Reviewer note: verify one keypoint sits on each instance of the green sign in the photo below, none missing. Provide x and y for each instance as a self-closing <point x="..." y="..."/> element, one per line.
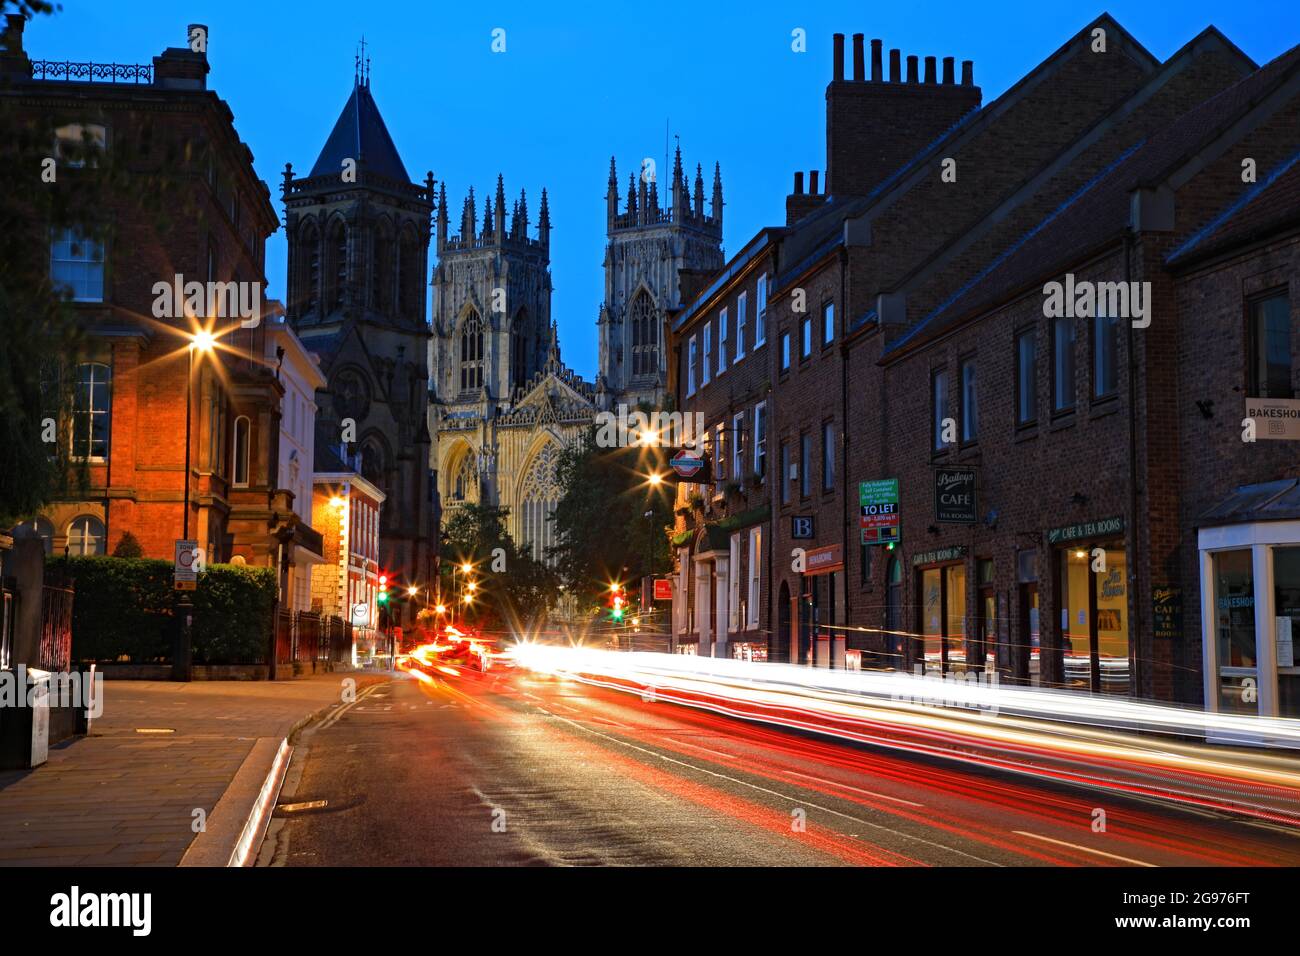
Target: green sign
<point x="1106" y="527"/>
<point x="879" y="503"/>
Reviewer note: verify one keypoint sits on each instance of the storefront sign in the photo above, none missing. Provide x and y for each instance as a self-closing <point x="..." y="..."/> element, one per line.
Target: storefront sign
<point x="938" y="556"/>
<point x="1168" y="612"/>
<point x="824" y="560"/>
<point x="802" y="527"/>
<point x="1276" y="418"/>
<point x="954" y="496"/>
<point x="879" y="502"/>
<point x="1106" y="527"/>
<point x="663" y="589"/>
<point x="690" y="466"/>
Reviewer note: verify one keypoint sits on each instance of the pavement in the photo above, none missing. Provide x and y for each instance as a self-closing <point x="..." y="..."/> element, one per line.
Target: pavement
<point x="169" y="773"/>
<point x="513" y="768"/>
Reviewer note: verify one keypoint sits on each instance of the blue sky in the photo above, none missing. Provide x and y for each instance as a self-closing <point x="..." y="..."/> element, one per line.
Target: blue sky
<point x="579" y="82"/>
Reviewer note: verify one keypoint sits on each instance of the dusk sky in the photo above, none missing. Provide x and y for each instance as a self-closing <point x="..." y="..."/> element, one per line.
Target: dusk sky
<point x="579" y="84"/>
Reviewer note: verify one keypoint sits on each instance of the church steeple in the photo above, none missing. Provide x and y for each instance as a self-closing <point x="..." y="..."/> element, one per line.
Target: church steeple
<point x="501" y="209"/>
<point x="544" y="223"/>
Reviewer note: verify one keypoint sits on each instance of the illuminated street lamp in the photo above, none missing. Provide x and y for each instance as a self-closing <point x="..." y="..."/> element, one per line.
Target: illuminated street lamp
<point x="183" y="649"/>
<point x="440" y="609"/>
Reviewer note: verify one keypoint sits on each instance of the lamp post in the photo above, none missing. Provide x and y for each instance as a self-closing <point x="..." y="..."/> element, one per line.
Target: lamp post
<point x="183" y="646"/>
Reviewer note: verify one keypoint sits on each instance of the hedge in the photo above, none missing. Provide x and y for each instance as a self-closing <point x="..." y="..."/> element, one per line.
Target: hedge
<point x="123" y="611"/>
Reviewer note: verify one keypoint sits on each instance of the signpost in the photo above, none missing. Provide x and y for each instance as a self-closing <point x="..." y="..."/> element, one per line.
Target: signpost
<point x="689" y="466"/>
<point x="189" y="562"/>
<point x="360" y="614"/>
<point x="879" y="502"/>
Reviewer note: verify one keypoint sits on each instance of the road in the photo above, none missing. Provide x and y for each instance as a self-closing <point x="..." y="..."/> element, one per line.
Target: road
<point x="513" y="768"/>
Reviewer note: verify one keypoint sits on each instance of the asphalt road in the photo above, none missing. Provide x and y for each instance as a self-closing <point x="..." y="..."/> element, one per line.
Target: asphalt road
<point x="516" y="769"/>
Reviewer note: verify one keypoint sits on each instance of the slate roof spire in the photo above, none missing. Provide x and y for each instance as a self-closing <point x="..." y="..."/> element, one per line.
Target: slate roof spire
<point x="360" y="134"/>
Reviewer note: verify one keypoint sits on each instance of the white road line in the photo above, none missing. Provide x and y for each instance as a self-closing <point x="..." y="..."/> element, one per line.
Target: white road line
<point x="1085" y="849"/>
<point x="779" y="795"/>
<point x="845" y="786"/>
<point x="716" y="753"/>
<point x="333" y="718"/>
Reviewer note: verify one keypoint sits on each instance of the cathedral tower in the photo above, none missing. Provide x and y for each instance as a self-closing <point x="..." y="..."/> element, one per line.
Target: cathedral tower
<point x="652" y="256"/>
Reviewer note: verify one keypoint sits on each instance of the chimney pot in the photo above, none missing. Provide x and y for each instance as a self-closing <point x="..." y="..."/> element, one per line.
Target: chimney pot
<point x="13" y="33"/>
<point x="798" y="183"/>
<point x="858" y="64"/>
<point x="812" y="183"/>
<point x="839" y="56"/>
<point x="967" y="72"/>
<point x="895" y="66"/>
<point x="930" y="75"/>
<point x="911" y="69"/>
<point x="877" y="64"/>
<point x="947" y="70"/>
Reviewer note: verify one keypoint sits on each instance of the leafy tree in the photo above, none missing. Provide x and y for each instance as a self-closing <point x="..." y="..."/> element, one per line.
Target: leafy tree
<point x="513" y="587"/>
<point x="128" y="546"/>
<point x="611" y="522"/>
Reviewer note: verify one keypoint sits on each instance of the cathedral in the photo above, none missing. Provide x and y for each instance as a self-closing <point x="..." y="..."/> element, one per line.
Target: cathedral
<point x="475" y="404"/>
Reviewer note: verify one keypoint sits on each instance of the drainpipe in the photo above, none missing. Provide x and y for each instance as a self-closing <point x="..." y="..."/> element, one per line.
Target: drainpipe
<point x="1135" y="602"/>
<point x="845" y="312"/>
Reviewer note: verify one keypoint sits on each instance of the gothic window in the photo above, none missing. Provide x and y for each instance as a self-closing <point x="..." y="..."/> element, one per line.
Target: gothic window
<point x="519" y="350"/>
<point x="374" y="468"/>
<point x="471" y="353"/>
<point x="409" y="275"/>
<point x="338" y="266"/>
<point x="310" y="276"/>
<point x="645" y="336"/>
<point x="464" y="482"/>
<point x="539" y="494"/>
<point x="385" y="269"/>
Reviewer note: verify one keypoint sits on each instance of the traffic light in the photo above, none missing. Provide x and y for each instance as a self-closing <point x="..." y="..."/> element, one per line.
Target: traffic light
<point x="617" y="601"/>
<point x="383" y="589"/>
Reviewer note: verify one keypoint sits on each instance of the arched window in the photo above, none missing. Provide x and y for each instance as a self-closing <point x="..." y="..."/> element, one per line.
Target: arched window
<point x="464" y="482"/>
<point x="385" y="268"/>
<point x="43" y="530"/>
<point x="410" y="275"/>
<point x="337" y="248"/>
<point x="540" y="493"/>
<point x="519" y="364"/>
<point x="309" y="276"/>
<point x="645" y="336"/>
<point x="471" y="353"/>
<point x="90" y="411"/>
<point x="894" y="614"/>
<point x="243" y="429"/>
<point x="85" y="536"/>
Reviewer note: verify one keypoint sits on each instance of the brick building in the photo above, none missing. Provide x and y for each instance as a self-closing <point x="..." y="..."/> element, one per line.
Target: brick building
<point x="129" y="414"/>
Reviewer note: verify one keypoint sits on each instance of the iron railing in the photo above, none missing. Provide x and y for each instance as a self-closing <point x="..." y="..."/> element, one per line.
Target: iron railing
<point x="91" y="72"/>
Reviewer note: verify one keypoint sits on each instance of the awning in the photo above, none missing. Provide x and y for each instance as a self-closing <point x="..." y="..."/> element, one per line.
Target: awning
<point x="1268" y="501"/>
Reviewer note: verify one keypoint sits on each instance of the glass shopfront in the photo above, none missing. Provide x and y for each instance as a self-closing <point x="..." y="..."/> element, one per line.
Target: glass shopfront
<point x="1286" y="611"/>
<point x="1093" y="598"/>
<point x="1234" y="629"/>
<point x="943" y="618"/>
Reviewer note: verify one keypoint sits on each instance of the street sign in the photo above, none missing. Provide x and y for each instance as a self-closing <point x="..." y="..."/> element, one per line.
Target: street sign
<point x="189" y="562"/>
<point x="879" y="503"/>
<point x="689" y="465"/>
<point x="360" y="614"/>
<point x="663" y="589"/>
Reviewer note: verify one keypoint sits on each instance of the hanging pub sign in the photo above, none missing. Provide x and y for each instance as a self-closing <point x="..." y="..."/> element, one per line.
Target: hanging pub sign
<point x="879" y="503"/>
<point x="690" y="465"/>
<point x="954" y="496"/>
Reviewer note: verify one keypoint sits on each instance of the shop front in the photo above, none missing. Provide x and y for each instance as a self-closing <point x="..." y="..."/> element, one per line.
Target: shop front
<point x="941" y="584"/>
<point x="820" y="636"/>
<point x="1095" y="649"/>
<point x="1249" y="550"/>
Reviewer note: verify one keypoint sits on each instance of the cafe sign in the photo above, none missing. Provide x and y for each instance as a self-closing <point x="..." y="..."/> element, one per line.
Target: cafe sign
<point x="954" y="496"/>
<point x="1106" y="527"/>
<point x="940" y="555"/>
<point x="1167" y="605"/>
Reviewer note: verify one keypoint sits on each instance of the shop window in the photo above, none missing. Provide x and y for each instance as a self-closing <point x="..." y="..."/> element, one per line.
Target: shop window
<point x="986" y="650"/>
<point x="1234" y="617"/>
<point x="1094" y="619"/>
<point x="1270" y="347"/>
<point x="894" y="614"/>
<point x="1286" y="608"/>
<point x="943" y="618"/>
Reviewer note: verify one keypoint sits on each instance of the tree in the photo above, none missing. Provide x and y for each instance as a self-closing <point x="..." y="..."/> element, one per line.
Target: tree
<point x="513" y="589"/>
<point x="611" y="523"/>
<point x="128" y="546"/>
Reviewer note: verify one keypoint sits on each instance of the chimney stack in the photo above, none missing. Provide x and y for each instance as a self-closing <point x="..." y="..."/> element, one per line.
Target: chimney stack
<point x="812" y="182"/>
<point x="967" y="72"/>
<point x="911" y="69"/>
<point x="798" y="183"/>
<point x="859" y="68"/>
<point x="930" y="75"/>
<point x="839" y="57"/>
<point x="877" y="64"/>
<point x="947" y="71"/>
<point x="895" y="66"/>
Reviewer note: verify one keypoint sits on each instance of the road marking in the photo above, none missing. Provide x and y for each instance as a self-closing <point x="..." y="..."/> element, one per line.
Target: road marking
<point x="716" y="753"/>
<point x="778" y="794"/>
<point x="1085" y="849"/>
<point x="304" y="805"/>
<point x="333" y="718"/>
<point x="845" y="786"/>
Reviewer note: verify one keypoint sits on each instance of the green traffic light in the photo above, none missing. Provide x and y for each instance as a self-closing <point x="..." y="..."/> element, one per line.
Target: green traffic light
<point x="383" y="597"/>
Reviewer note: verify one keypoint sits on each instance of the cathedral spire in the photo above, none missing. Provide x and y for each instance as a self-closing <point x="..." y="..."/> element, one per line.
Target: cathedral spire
<point x="631" y="195"/>
<point x="442" y="216"/>
<point x="487" y="220"/>
<point x="521" y="216"/>
<point x="468" y="216"/>
<point x="501" y="208"/>
<point x="681" y="194"/>
<point x="699" y="191"/>
<point x="544" y="222"/>
<point x="717" y="193"/>
<point x="611" y="196"/>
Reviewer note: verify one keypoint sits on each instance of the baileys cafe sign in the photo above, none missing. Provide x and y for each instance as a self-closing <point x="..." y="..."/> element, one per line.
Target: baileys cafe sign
<point x="1106" y="527"/>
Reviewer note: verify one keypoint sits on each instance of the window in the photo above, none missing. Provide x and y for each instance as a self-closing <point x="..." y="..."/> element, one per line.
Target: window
<point x="338" y="253"/>
<point x="471" y="353"/>
<point x="733" y="583"/>
<point x="242" y="431"/>
<point x="785" y="351"/>
<point x="828" y="323"/>
<point x="77" y="265"/>
<point x="645" y="336"/>
<point x="85" y="536"/>
<point x="707" y="367"/>
<point x="76" y="143"/>
<point x="785" y="473"/>
<point x="828" y="456"/>
<point x="1063" y="364"/>
<point x="722" y="341"/>
<point x="760" y="312"/>
<point x="805" y="347"/>
<point x="969" y="404"/>
<point x="760" y="439"/>
<point x="805" y="463"/>
<point x="690" y="366"/>
<point x="738" y="447"/>
<point x="720" y="459"/>
<point x="90" y="411"/>
<point x="755" y="563"/>
<point x="1270" y="347"/>
<point x="1026" y="378"/>
<point x="1105" y="356"/>
<point x="742" y="306"/>
<point x="939" y="401"/>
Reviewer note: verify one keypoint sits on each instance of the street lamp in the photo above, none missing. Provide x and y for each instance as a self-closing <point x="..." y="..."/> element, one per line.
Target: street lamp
<point x="183" y="648"/>
<point x="202" y="342"/>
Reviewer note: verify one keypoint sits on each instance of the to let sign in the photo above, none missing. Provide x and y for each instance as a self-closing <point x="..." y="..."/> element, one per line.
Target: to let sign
<point x="954" y="496"/>
<point x="879" y="503"/>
